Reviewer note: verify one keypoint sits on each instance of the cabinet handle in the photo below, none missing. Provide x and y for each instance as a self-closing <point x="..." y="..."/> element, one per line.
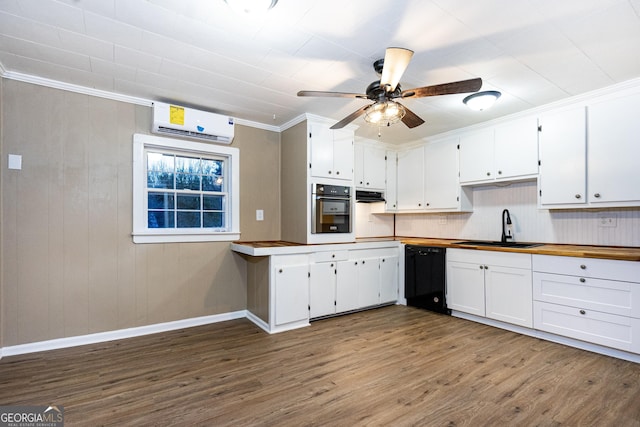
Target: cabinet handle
<point x="280" y="271"/>
<point x="355" y="263"/>
<point x="331" y="264"/>
<point x="582" y="266"/>
<point x="583" y="312"/>
<point x="582" y="280"/>
<point x="329" y="172"/>
<point x="419" y="204"/>
<point x="499" y="172"/>
<point x="382" y="259"/>
<point x="486" y="267"/>
<point x="428" y="204"/>
<point x="338" y="173"/>
<point x="481" y="267"/>
<point x="578" y="196"/>
<point x="333" y="255"/>
<point x="363" y="262"/>
<point x="597" y="195"/>
<point x="360" y="182"/>
<point x="488" y="173"/>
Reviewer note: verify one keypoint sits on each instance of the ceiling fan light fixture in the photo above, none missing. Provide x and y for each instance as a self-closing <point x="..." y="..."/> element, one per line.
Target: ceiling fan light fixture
<point x="384" y="113"/>
<point x="481" y="100"/>
<point x="251" y="7"/>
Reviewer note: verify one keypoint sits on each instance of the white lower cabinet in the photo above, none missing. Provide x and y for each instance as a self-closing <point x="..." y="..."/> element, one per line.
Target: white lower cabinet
<point x="290" y="275"/>
<point x="357" y="279"/>
<point x="496" y="285"/>
<point x="593" y="300"/>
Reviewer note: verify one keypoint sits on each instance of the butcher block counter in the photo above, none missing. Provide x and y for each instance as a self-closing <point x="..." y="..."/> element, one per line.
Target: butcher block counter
<point x="265" y="248"/>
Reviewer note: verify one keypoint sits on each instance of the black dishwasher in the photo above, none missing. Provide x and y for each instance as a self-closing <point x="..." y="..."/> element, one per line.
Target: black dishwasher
<point x="424" y="277"/>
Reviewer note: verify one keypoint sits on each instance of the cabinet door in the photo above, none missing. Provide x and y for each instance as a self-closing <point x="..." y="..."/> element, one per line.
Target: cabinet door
<point x="343" y="154"/>
<point x="516" y="148"/>
<point x="321" y="147"/>
<point x="374" y="166"/>
<point x="388" y="279"/>
<point x="441" y="185"/>
<point x="291" y="293"/>
<point x="476" y="156"/>
<point x="391" y="186"/>
<point x="358" y="165"/>
<point x="322" y="289"/>
<point x="465" y="287"/>
<point x="563" y="158"/>
<point x="368" y="282"/>
<point x="411" y="179"/>
<point x="347" y="286"/>
<point x="509" y="295"/>
<point x="614" y="150"/>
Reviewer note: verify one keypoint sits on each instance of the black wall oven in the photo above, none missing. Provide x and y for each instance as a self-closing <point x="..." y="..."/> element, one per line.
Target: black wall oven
<point x="330" y="209"/>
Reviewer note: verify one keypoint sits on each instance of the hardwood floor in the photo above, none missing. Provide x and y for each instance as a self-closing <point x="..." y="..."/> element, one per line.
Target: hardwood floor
<point x="395" y="366"/>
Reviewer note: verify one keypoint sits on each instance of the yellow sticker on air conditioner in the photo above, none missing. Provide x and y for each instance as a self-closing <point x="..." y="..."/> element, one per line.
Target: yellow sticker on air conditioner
<point x="176" y="115"/>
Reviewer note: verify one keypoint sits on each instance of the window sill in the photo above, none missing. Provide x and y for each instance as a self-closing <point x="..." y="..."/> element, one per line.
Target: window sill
<point x="184" y="238"/>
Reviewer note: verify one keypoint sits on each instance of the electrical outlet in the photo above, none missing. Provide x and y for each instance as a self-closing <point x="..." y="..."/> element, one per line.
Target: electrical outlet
<point x="259" y="215"/>
<point x="442" y="220"/>
<point x="608" y="221"/>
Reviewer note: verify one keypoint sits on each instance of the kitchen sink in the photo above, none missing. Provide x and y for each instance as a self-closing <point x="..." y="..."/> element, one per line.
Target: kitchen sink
<point x="498" y="244"/>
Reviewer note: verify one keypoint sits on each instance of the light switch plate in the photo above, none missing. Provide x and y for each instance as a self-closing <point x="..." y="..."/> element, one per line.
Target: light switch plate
<point x="15" y="161"/>
<point x="259" y="215"/>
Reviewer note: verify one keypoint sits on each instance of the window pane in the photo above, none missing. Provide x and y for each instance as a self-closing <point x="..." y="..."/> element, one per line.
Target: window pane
<point x="213" y="203"/>
<point x="187" y="201"/>
<point x="159" y="179"/>
<point x="160" y="201"/>
<point x="188" y="165"/>
<point x="160" y="162"/>
<point x="213" y="219"/>
<point x="212" y="167"/>
<point x="212" y="183"/>
<point x="188" y="219"/>
<point x="160" y="219"/>
<point x="187" y="182"/>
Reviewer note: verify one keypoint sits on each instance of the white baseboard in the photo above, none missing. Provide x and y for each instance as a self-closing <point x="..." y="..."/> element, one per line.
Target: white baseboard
<point x="119" y="334"/>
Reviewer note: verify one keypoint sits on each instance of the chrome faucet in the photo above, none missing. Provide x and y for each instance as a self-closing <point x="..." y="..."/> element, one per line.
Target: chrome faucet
<point x="506" y="236"/>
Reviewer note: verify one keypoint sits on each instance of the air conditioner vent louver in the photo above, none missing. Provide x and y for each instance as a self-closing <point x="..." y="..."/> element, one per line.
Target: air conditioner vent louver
<point x="191" y="123"/>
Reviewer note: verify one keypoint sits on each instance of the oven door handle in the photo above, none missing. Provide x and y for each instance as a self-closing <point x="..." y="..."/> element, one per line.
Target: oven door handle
<point x="332" y="198"/>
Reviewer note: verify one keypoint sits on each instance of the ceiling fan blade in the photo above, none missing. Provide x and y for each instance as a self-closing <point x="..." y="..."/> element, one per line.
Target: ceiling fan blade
<point x="351" y="117"/>
<point x="464" y="86"/>
<point x="411" y="119"/>
<point x="331" y="94"/>
<point x="396" y="60"/>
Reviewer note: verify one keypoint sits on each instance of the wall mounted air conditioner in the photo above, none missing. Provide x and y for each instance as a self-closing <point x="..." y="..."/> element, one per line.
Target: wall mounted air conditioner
<point x="175" y="120"/>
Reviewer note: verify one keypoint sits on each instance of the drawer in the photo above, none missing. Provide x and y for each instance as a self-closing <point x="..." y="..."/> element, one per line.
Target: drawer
<point x="628" y="271"/>
<point x="502" y="259"/>
<point x="595" y="327"/>
<point x="326" y="256"/>
<point x="607" y="296"/>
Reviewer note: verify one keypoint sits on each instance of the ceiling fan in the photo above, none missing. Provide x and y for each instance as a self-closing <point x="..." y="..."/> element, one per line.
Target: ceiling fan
<point x="385" y="110"/>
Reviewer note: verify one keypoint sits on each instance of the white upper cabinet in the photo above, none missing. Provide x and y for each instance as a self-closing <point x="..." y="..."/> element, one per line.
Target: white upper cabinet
<point x="476" y="156"/>
<point x="410" y="182"/>
<point x="563" y="158"/>
<point x="614" y="151"/>
<point x="369" y="167"/>
<point x="442" y="186"/>
<point x="331" y="152"/>
<point x="516" y="148"/>
<point x="391" y="187"/>
<point x="505" y="152"/>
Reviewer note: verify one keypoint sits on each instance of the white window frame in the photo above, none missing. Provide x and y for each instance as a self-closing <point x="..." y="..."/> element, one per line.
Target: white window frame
<point x="143" y="234"/>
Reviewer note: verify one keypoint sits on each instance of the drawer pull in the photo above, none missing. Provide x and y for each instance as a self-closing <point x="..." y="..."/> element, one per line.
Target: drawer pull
<point x="280" y="271"/>
<point x="578" y="196"/>
<point x="582" y="266"/>
<point x="582" y="280"/>
<point x="583" y="312"/>
<point x="481" y="267"/>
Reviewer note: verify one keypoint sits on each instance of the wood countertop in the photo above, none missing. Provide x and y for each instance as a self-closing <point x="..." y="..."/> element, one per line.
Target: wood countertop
<point x="584" y="251"/>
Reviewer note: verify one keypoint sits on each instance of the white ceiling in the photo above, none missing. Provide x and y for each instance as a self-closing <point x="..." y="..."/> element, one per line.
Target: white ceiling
<point x="200" y="53"/>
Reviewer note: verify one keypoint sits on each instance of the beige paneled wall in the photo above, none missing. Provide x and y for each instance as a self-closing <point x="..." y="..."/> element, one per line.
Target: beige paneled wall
<point x="69" y="266"/>
<point x="531" y="224"/>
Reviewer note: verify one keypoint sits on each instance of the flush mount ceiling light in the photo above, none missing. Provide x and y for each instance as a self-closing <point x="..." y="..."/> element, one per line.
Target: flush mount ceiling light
<point x="481" y="100"/>
<point x="251" y="7"/>
<point x="384" y="113"/>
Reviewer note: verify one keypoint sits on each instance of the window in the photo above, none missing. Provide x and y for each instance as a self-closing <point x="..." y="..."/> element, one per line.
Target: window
<point x="184" y="191"/>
